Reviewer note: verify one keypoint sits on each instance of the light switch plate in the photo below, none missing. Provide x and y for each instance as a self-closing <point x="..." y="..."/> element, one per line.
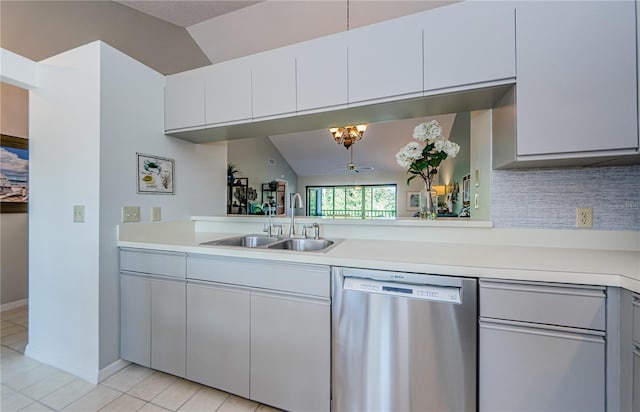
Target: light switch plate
<point x="156" y="214"/>
<point x="78" y="214"/>
<point x="130" y="214"/>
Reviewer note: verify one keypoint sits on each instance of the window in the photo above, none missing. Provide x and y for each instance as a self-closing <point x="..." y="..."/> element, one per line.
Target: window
<point x="365" y="202"/>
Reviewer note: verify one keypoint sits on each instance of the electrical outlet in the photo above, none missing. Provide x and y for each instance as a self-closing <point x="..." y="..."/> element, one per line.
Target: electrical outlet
<point x="155" y="214"/>
<point x="130" y="214"/>
<point x="584" y="217"/>
<point x="78" y="214"/>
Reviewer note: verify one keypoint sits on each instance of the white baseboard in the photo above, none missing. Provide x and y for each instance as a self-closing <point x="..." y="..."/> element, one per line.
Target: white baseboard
<point x="14" y="305"/>
<point x="34" y="352"/>
<point x="116" y="366"/>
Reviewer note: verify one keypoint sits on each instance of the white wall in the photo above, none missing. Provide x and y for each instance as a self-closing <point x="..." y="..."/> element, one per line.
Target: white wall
<point x="95" y="108"/>
<point x="277" y="23"/>
<point x="480" y="161"/>
<point x="63" y="256"/>
<point x="132" y="120"/>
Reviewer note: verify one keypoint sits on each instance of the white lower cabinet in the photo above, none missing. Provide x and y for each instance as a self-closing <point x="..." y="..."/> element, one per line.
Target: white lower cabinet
<point x="152" y="309"/>
<point x="135" y="319"/>
<point x="290" y="359"/>
<point x="636" y="353"/>
<point x="218" y="337"/>
<point x="531" y="359"/>
<point x="636" y="378"/>
<point x="168" y="300"/>
<point x="541" y="369"/>
<point x="266" y="337"/>
<point x="153" y="322"/>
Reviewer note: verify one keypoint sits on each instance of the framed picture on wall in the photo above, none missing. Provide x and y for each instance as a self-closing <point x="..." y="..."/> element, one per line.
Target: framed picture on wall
<point x="466" y="191"/>
<point x="155" y="175"/>
<point x="14" y="174"/>
<point x="413" y="200"/>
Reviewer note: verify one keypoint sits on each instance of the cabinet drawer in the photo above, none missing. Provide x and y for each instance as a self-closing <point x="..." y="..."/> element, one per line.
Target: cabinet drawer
<point x="636" y="318"/>
<point x="287" y="277"/>
<point x="172" y="264"/>
<point x="545" y="369"/>
<point x="553" y="304"/>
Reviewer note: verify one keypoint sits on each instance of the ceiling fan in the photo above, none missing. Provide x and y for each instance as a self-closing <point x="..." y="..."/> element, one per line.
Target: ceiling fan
<point x="354" y="168"/>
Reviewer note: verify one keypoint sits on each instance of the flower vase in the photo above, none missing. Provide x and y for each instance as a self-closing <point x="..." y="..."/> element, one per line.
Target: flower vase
<point x="427" y="204"/>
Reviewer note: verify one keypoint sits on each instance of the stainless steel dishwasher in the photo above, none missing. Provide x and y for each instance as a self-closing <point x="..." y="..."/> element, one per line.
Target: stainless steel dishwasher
<point x="403" y="342"/>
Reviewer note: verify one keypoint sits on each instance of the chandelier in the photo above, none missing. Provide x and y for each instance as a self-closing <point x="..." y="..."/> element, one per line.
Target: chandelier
<point x="348" y="135"/>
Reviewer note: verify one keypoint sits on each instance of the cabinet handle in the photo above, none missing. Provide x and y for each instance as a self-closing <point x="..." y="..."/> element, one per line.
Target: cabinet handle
<point x="543" y="330"/>
<point x="596" y="292"/>
<point x="153" y="276"/>
<point x="292" y="297"/>
<point x="214" y="285"/>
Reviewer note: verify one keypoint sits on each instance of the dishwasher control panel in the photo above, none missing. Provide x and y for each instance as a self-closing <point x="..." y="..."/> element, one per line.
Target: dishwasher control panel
<point x="448" y="294"/>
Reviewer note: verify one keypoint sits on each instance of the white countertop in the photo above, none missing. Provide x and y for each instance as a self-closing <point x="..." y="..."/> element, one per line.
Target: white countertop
<point x="535" y="263"/>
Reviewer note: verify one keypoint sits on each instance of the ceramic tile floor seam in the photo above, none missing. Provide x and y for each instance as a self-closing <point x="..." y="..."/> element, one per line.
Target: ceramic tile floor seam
<point x="19" y="317"/>
<point x="63" y="387"/>
<point x="26" y="396"/>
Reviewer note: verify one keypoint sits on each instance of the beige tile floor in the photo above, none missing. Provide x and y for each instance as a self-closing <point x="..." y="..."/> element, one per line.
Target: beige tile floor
<point x="28" y="385"/>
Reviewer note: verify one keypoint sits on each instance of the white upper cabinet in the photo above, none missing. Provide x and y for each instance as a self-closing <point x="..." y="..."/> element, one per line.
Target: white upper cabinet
<point x="321" y="69"/>
<point x="385" y="61"/>
<point x="273" y="80"/>
<point x="468" y="43"/>
<point x="184" y="100"/>
<point x="228" y="92"/>
<point x="576" y="77"/>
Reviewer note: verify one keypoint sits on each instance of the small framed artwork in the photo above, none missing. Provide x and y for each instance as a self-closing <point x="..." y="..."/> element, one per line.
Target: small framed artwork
<point x="413" y="200"/>
<point x="466" y="190"/>
<point x="14" y="174"/>
<point x="155" y="175"/>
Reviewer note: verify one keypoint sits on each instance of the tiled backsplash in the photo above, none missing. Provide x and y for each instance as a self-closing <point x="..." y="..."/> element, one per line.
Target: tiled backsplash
<point x="548" y="198"/>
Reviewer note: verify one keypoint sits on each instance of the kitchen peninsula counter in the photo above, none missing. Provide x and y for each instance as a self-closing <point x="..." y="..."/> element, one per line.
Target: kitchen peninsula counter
<point x="474" y="250"/>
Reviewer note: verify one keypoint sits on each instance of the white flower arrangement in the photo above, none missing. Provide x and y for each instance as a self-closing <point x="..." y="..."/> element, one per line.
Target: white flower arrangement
<point x="424" y="161"/>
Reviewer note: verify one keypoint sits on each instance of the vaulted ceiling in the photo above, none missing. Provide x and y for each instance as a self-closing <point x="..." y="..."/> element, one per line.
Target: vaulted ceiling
<point x="178" y="35"/>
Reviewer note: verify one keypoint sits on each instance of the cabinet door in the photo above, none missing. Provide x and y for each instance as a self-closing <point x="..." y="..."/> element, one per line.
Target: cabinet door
<point x="273" y="82"/>
<point x="218" y="337"/>
<point x="290" y="352"/>
<point x="228" y="91"/>
<point x="385" y="60"/>
<point x="636" y="379"/>
<point x="541" y="368"/>
<point x="321" y="73"/>
<point x="168" y="308"/>
<point x="135" y="316"/>
<point x="184" y="100"/>
<point x="467" y="43"/>
<point x="576" y="77"/>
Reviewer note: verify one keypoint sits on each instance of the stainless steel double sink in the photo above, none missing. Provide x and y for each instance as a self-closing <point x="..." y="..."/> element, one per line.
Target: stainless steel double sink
<point x="266" y="242"/>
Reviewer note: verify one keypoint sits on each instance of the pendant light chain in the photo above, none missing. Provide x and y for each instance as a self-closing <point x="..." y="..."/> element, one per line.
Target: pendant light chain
<point x="347" y="15"/>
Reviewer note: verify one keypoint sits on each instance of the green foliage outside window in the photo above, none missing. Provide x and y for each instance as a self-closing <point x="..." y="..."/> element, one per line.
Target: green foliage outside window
<point x="365" y="202"/>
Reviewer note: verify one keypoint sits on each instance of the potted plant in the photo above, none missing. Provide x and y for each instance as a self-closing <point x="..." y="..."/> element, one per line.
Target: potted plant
<point x="273" y="185"/>
<point x="231" y="170"/>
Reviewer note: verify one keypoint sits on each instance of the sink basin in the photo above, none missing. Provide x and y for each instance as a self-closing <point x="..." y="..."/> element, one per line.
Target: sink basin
<point x="244" y="241"/>
<point x="302" y="245"/>
<point x="266" y="242"/>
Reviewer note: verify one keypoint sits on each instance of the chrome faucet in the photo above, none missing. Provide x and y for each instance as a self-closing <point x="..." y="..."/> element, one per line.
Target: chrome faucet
<point x="292" y="228"/>
<point x="316" y="229"/>
<point x="268" y="213"/>
<point x="269" y="227"/>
